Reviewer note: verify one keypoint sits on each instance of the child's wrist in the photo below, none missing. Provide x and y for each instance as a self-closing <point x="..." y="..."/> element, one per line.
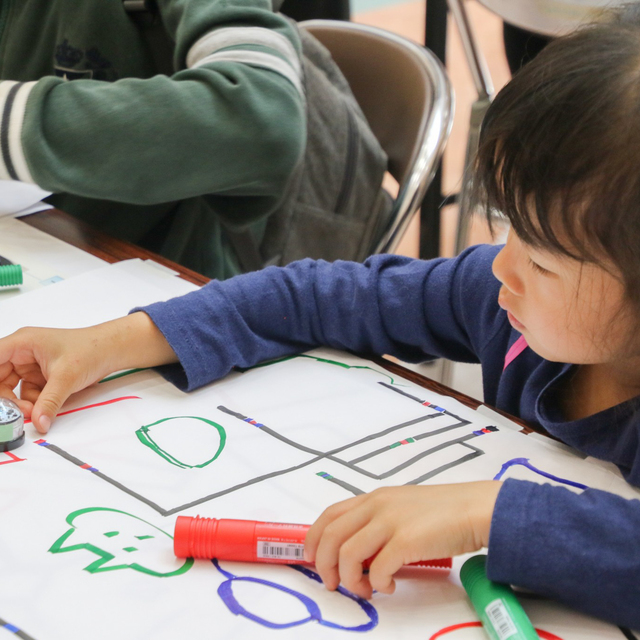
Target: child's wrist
<point x="485" y="504"/>
<point x="134" y="342"/>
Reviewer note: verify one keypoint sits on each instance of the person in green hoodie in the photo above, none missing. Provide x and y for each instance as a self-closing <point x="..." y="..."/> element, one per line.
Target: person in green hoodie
<point x="172" y="128"/>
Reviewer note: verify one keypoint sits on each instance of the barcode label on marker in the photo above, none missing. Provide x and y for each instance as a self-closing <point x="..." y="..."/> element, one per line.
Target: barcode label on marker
<point x="280" y="550"/>
<point x="500" y="620"/>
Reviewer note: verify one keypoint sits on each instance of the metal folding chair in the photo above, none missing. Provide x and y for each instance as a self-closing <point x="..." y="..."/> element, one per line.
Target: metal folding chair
<point x="405" y="94"/>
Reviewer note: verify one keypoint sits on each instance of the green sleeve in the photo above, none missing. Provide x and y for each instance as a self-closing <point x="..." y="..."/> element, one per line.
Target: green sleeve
<point x="229" y="121"/>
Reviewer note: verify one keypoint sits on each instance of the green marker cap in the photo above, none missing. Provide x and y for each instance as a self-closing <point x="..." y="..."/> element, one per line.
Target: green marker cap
<point x="10" y="275"/>
<point x="500" y="611"/>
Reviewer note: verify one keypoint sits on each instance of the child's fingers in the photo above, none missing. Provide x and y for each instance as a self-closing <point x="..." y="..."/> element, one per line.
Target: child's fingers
<point x="6" y="391"/>
<point x="361" y="546"/>
<point x="7" y="387"/>
<point x="6" y="369"/>
<point x="30" y="391"/>
<point x="9" y="380"/>
<point x="333" y="538"/>
<point x="25" y="406"/>
<point x="8" y="383"/>
<point x="384" y="566"/>
<point x="7" y="348"/>
<point x="32" y="381"/>
<point x="326" y="517"/>
<point x="51" y="398"/>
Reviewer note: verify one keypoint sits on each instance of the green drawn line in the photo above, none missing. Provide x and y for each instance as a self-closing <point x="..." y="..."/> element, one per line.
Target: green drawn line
<point x="399" y="444"/>
<point x="145" y="437"/>
<point x="104" y="557"/>
<point x="317" y="359"/>
<point x="121" y="374"/>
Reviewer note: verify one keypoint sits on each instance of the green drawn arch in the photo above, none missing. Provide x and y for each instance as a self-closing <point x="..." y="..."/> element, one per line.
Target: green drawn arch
<point x="145" y="437"/>
<point x="335" y="363"/>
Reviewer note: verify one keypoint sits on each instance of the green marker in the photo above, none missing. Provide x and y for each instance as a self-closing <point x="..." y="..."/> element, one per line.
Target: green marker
<point x="10" y="275"/>
<point x="502" y="615"/>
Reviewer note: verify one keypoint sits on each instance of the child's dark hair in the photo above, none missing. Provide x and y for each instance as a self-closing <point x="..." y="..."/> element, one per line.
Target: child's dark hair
<point x="559" y="152"/>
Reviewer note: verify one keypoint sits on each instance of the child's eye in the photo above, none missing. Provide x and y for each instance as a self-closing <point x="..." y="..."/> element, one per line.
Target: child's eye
<point x="538" y="268"/>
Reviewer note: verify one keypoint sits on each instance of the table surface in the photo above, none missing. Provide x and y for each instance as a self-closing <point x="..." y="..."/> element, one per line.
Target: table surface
<point x="79" y="234"/>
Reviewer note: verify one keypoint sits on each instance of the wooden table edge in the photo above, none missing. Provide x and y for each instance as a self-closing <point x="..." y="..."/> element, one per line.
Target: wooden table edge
<point x="83" y="236"/>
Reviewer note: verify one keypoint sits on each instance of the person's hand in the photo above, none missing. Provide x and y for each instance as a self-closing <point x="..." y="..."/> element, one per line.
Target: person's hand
<point x="401" y="525"/>
<point x="54" y="363"/>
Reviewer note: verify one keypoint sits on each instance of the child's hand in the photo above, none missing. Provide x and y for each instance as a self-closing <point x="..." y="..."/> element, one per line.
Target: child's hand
<point x="54" y="363"/>
<point x="401" y="525"/>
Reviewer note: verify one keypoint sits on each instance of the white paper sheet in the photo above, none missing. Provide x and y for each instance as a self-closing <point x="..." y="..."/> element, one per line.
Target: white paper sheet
<point x="92" y="297"/>
<point x="21" y="198"/>
<point x="44" y="259"/>
<point x="86" y="514"/>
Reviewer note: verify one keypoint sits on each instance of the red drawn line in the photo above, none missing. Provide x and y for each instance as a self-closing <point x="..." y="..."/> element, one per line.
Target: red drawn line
<point x="13" y="457"/>
<point x="544" y="635"/>
<point x="98" y="404"/>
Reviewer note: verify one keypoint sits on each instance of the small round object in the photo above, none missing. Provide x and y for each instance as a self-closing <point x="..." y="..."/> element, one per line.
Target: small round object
<point x="11" y="425"/>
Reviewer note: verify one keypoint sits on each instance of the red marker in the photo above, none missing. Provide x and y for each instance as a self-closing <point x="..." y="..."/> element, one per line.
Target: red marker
<point x="251" y="541"/>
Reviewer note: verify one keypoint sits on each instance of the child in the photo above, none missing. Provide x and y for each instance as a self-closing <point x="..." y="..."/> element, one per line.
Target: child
<point x="185" y="128"/>
<point x="551" y="316"/>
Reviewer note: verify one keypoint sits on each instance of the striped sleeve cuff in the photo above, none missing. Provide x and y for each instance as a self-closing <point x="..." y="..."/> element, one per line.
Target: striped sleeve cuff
<point x="13" y="102"/>
<point x="226" y="45"/>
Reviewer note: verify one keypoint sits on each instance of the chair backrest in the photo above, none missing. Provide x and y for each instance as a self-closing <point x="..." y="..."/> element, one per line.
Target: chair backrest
<point x="405" y="94"/>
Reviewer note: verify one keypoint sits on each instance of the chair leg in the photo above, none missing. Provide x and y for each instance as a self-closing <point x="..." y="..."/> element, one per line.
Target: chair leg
<point x="475" y="59"/>
<point x="484" y="88"/>
<point x="446" y="372"/>
<point x="435" y="39"/>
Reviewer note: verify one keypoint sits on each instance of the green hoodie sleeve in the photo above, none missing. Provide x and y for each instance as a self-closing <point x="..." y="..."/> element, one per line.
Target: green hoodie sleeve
<point x="229" y="121"/>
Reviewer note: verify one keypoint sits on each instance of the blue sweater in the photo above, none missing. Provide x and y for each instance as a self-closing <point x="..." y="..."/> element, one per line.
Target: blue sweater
<point x="582" y="549"/>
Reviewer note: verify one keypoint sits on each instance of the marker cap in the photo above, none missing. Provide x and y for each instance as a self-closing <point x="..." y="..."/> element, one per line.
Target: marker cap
<point x="212" y="538"/>
<point x="10" y="275"/>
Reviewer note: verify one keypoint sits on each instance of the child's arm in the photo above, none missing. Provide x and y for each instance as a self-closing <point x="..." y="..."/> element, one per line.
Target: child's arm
<point x="223" y="123"/>
<point x="54" y="363"/>
<point x="580" y="549"/>
<point x="401" y="525"/>
<point x="392" y="305"/>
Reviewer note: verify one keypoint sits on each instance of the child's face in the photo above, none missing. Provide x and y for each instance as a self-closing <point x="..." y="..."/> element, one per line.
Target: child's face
<point x="568" y="311"/>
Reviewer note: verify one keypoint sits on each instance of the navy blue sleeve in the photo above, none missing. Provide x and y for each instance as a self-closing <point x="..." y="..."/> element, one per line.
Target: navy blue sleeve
<point x="408" y="308"/>
<point x="581" y="549"/>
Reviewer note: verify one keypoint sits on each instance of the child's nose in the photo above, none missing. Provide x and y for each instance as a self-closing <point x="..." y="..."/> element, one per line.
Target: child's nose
<point x="504" y="268"/>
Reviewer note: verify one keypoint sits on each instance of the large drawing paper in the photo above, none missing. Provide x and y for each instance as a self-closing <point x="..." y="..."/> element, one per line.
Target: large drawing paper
<point x="87" y="512"/>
